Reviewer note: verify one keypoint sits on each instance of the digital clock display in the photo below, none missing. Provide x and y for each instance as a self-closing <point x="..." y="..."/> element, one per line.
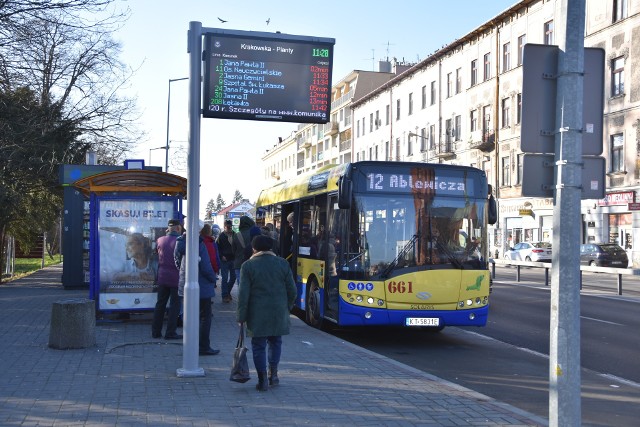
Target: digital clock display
<point x="269" y="77"/>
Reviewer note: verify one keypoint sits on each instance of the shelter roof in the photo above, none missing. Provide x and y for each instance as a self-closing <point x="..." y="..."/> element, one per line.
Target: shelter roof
<point x="134" y="180"/>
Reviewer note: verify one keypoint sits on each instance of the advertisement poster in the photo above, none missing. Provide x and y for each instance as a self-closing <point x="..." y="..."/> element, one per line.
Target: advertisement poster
<point x="127" y="234"/>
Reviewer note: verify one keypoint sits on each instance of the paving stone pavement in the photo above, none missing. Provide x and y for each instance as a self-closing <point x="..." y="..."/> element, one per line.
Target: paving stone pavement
<point x="129" y="379"/>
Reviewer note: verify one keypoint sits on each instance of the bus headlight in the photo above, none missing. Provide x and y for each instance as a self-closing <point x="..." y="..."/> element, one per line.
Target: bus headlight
<point x="359" y="298"/>
<point x="367" y="315"/>
<point x="380" y="302"/>
<point x="472" y="316"/>
<point x="370" y="300"/>
<point x="477" y="300"/>
<point x="469" y="302"/>
<point x="461" y="304"/>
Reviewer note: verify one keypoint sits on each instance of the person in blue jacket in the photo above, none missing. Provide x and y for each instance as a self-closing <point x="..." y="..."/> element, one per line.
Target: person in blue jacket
<point x="206" y="281"/>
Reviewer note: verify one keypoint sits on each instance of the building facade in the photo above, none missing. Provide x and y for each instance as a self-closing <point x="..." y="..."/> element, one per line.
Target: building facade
<point x="462" y="105"/>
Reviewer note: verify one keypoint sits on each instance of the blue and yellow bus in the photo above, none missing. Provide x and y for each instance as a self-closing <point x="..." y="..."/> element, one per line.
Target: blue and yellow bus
<point x="386" y="243"/>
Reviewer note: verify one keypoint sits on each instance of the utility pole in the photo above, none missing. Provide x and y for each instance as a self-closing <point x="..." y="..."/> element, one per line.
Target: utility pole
<point x="564" y="351"/>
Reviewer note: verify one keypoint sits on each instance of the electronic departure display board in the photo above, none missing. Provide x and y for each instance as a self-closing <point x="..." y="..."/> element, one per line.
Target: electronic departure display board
<point x="263" y="76"/>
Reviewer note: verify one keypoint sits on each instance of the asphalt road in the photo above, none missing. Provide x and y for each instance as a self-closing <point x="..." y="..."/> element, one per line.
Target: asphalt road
<point x="508" y="359"/>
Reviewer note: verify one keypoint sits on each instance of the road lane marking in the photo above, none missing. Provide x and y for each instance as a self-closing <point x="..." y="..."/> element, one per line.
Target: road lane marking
<point x="600" y="320"/>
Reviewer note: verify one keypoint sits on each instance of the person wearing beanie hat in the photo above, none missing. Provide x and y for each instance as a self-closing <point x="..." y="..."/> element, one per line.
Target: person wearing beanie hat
<point x="265" y="297"/>
<point x="241" y="240"/>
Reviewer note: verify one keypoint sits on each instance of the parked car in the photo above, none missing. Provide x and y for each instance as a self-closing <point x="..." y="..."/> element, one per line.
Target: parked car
<point x="529" y="251"/>
<point x="603" y="255"/>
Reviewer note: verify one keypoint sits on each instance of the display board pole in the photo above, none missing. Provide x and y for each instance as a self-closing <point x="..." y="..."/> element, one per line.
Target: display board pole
<point x="190" y="366"/>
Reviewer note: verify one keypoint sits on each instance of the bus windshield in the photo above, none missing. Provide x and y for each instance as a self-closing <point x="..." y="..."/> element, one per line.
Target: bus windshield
<point x="399" y="233"/>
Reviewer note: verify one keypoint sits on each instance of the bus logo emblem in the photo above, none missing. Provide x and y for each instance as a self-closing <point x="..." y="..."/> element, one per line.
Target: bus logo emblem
<point x="423" y="295"/>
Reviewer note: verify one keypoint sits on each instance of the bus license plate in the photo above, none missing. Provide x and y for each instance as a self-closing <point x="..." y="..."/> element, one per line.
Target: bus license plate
<point x="422" y="321"/>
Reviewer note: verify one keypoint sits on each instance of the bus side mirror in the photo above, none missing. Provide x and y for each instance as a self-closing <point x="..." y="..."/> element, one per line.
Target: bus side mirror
<point x="492" y="214"/>
<point x="345" y="190"/>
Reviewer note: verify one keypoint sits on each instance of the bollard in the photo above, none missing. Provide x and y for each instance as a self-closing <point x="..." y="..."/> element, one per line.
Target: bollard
<point x="73" y="324"/>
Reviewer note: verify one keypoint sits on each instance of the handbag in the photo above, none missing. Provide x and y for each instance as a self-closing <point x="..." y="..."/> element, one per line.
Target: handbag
<point x="240" y="366"/>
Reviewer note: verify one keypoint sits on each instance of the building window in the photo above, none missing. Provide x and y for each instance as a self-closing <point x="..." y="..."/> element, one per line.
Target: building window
<point x="458" y="80"/>
<point x="458" y="127"/>
<point x="487" y="66"/>
<point x="370" y="122"/>
<point x="358" y="129"/>
<point x="409" y="147"/>
<point x="505" y="171"/>
<point x="474" y="72"/>
<point x="520" y="160"/>
<point x="506" y="119"/>
<point x="370" y="153"/>
<point x="386" y="151"/>
<point x="377" y="119"/>
<point x="433" y="93"/>
<point x="397" y="109"/>
<point x="473" y="120"/>
<point x="506" y="57"/>
<point x="376" y="152"/>
<point x="548" y="32"/>
<point x="519" y="109"/>
<point x="619" y="10"/>
<point x="449" y="85"/>
<point x="398" y="149"/>
<point x="432" y="137"/>
<point x="411" y="103"/>
<point x="617" y="76"/>
<point x="387" y="115"/>
<point x="424" y="97"/>
<point x="522" y="40"/>
<point x="423" y="139"/>
<point x="617" y="159"/>
<point x="486" y="119"/>
<point x="448" y="126"/>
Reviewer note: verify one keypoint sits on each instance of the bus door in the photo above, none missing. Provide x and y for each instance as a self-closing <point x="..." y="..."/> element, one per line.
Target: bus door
<point x="289" y="234"/>
<point x="333" y="227"/>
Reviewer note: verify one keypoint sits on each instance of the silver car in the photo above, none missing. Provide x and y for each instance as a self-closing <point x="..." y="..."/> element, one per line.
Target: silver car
<point x="530" y="251"/>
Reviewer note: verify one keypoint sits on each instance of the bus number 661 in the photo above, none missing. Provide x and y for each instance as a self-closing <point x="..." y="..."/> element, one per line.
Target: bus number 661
<point x="400" y="287"/>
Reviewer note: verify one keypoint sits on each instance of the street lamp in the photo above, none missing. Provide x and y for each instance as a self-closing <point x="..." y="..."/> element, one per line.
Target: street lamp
<point x="151" y="149"/>
<point x="166" y="147"/>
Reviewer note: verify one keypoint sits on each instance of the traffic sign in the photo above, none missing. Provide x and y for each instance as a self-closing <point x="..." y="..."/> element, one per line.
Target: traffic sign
<point x="539" y="81"/>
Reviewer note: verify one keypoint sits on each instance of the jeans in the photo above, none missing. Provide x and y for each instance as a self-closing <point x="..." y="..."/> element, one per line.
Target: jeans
<point x="205" y="323"/>
<point x="166" y="293"/>
<point x="258" y="347"/>
<point x="228" y="277"/>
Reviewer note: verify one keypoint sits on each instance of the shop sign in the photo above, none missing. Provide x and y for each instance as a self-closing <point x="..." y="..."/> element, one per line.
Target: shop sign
<point x="525" y="212"/>
<point x="634" y="206"/>
<point x="616" y="199"/>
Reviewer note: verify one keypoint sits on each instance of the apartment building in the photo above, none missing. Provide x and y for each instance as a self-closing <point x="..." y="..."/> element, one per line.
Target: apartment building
<point x="462" y="105"/>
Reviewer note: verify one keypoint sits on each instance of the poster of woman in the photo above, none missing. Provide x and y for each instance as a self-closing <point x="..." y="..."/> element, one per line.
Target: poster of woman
<point x="127" y="233"/>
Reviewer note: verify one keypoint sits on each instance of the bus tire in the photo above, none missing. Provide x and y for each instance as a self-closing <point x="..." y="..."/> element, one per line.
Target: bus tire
<point x="313" y="312"/>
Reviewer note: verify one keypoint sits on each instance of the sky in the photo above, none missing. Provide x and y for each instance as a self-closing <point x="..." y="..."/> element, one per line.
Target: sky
<point x="154" y="43"/>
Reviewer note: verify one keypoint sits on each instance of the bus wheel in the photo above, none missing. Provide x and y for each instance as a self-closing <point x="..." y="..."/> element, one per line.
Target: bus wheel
<point x="313" y="315"/>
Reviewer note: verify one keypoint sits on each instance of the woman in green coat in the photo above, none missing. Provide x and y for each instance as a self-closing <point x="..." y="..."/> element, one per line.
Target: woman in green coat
<point x="265" y="297"/>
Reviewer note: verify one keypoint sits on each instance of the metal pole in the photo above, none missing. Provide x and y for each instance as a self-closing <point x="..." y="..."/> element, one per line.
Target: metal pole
<point x="166" y="147"/>
<point x="190" y="366"/>
<point x="564" y="346"/>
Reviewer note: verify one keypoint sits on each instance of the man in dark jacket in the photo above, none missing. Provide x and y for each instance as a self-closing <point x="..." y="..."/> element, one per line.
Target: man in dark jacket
<point x="227" y="270"/>
<point x="206" y="282"/>
<point x="167" y="281"/>
<point x="241" y="240"/>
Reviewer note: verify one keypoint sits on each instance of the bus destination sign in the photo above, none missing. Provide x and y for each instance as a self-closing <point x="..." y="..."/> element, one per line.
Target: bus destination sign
<point x="269" y="77"/>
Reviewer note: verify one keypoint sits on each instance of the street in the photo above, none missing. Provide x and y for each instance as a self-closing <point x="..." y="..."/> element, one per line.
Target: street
<point x="508" y="359"/>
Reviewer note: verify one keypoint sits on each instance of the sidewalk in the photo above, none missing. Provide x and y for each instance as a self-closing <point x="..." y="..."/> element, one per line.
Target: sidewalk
<point x="129" y="379"/>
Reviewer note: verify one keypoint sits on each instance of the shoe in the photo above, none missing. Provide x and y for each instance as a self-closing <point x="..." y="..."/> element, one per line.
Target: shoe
<point x="156" y="335"/>
<point x="173" y="337"/>
<point x="209" y="352"/>
<point x="226" y="299"/>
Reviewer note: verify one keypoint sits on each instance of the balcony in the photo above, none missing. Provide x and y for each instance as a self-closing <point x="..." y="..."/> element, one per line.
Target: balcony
<point x="333" y="129"/>
<point x="486" y="142"/>
<point x="445" y="150"/>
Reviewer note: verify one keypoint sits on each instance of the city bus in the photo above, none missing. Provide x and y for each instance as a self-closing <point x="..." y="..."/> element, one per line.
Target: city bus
<point x="385" y="243"/>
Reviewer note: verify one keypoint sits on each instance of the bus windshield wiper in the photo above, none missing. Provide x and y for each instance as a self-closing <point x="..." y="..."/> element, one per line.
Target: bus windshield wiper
<point x="405" y="249"/>
<point x="455" y="261"/>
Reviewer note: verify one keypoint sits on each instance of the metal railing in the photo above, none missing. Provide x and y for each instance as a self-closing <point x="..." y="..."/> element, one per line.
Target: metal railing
<point x="547" y="265"/>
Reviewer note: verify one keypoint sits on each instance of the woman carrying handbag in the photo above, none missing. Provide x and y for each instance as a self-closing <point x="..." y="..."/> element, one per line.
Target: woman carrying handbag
<point x="265" y="297"/>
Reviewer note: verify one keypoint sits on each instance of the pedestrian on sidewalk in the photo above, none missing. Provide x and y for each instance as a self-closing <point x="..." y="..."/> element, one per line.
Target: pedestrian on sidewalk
<point x="241" y="241"/>
<point x="227" y="269"/>
<point x="167" y="281"/>
<point x="266" y="295"/>
<point x="206" y="282"/>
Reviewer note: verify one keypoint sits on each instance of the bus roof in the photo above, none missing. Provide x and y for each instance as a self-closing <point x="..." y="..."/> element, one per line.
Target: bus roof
<point x="321" y="180"/>
<point x="325" y="179"/>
